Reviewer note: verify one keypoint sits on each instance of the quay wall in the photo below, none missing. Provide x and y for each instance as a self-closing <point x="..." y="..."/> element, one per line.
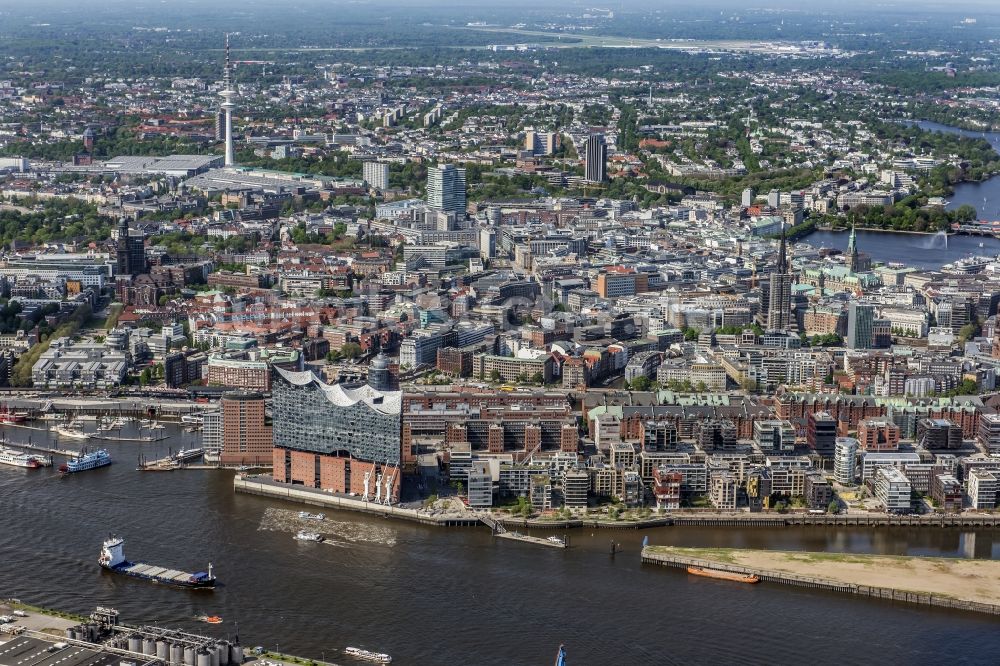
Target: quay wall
<point x="264" y="486"/>
<point x="763" y="520"/>
<point x="252" y="486"/>
<point x="886" y="593"/>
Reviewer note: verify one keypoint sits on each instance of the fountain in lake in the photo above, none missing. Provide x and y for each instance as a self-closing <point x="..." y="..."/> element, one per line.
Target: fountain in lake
<point x="938" y="241"/>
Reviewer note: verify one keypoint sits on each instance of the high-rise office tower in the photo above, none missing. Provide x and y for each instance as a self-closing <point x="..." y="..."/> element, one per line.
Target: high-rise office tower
<point x="131" y="255"/>
<point x="541" y="143"/>
<point x="531" y="140"/>
<point x="446" y="189"/>
<point x="220" y="125"/>
<point x="246" y="434"/>
<point x="227" y="94"/>
<point x="860" y="325"/>
<point x="596" y="159"/>
<point x="376" y="174"/>
<point x="779" y="292"/>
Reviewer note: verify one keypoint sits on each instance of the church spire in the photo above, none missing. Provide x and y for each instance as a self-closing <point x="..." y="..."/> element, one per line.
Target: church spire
<point x="852" y="251"/>
<point x="783" y="252"/>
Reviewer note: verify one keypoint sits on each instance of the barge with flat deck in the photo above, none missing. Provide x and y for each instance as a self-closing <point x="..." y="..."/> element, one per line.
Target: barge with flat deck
<point x="113" y="559"/>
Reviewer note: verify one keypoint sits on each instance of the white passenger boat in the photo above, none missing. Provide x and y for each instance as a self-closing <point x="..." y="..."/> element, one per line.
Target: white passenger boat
<point x="378" y="657"/>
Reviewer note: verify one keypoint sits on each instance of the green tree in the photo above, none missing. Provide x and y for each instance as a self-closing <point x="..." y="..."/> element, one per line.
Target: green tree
<point x="641" y="383"/>
<point x="351" y="350"/>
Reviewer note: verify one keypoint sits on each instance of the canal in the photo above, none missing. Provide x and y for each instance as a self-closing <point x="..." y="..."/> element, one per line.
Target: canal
<point x="449" y="596"/>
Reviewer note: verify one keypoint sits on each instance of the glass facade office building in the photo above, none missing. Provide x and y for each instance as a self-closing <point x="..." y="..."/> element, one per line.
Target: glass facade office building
<point x="311" y="416"/>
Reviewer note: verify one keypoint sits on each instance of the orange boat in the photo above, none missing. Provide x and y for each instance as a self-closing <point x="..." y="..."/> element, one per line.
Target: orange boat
<point x="211" y="619"/>
<point x="724" y="575"/>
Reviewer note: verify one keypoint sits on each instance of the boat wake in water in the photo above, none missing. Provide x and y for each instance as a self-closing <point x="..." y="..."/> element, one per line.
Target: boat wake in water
<point x="345" y="533"/>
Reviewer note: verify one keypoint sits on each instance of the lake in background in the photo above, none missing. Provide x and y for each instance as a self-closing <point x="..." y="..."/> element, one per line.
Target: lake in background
<point x="924" y="251"/>
<point x="984" y="196"/>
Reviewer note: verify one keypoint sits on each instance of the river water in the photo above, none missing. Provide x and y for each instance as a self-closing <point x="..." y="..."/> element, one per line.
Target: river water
<point x="449" y="596"/>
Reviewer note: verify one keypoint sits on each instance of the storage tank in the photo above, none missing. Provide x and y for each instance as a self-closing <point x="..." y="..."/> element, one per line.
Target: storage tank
<point x="236" y="654"/>
<point x="135" y="643"/>
<point x="71" y="633"/>
<point x="162" y="650"/>
<point x="149" y="646"/>
<point x="189" y="656"/>
<point x="214" y="651"/>
<point x="176" y="653"/>
<point x="203" y="658"/>
<point x="224" y="653"/>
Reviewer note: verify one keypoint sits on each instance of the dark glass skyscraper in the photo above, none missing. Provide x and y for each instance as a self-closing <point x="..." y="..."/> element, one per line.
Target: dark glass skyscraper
<point x="596" y="159"/>
<point x="860" y="325"/>
<point x="779" y="291"/>
<point x="131" y="254"/>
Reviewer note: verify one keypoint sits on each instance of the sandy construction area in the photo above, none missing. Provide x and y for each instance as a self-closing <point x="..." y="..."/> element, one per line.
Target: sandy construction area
<point x="968" y="580"/>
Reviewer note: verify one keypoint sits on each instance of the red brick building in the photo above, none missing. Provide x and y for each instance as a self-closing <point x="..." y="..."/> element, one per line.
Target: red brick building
<point x="341" y="473"/>
<point x="239" y="373"/>
<point x="246" y="433"/>
<point x="879" y="434"/>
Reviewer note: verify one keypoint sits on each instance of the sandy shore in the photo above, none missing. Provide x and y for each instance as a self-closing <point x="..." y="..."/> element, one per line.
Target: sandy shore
<point x="967" y="580"/>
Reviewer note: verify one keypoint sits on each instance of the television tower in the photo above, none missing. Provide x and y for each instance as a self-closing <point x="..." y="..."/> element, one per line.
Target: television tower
<point x="227" y="95"/>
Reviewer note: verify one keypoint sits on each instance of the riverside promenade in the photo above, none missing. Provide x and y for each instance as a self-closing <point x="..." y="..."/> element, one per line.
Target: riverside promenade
<point x="968" y="585"/>
<point x="265" y="486"/>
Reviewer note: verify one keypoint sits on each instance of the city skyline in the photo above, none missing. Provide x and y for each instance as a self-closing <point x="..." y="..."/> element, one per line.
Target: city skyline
<point x="387" y="315"/>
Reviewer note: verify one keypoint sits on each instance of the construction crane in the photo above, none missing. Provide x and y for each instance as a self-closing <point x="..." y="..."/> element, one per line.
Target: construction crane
<point x="388" y="482"/>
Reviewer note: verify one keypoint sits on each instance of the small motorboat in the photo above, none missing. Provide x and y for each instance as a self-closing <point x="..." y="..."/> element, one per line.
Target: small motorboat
<point x="210" y="619"/>
<point x="309" y="536"/>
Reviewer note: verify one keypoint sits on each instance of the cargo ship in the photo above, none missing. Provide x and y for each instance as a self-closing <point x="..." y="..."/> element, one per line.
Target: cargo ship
<point x="724" y="575"/>
<point x="86" y="460"/>
<point x="113" y="559"/>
